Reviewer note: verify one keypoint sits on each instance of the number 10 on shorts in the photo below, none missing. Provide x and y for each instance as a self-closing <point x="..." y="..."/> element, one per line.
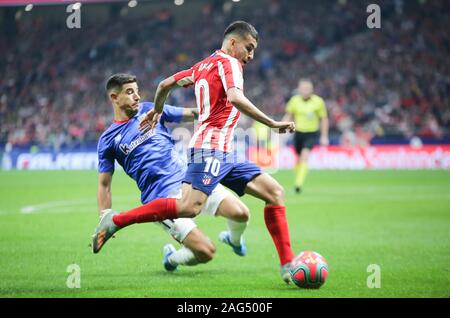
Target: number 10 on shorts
<point x="212" y="166"/>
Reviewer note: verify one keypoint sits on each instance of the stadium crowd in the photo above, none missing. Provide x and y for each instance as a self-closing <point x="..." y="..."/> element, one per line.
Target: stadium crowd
<point x="393" y="81"/>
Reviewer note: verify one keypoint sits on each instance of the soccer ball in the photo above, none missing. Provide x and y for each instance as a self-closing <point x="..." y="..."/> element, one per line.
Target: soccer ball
<point x="309" y="270"/>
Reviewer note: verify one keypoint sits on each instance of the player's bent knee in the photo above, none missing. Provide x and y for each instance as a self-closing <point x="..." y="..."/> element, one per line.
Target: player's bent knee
<point x="204" y="257"/>
<point x="205" y="253"/>
<point x="190" y="210"/>
<point x="187" y="213"/>
<point x="242" y="214"/>
<point x="192" y="213"/>
<point x="196" y="208"/>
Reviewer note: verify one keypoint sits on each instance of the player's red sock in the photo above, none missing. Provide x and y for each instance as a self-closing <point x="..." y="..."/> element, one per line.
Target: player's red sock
<point x="156" y="210"/>
<point x="276" y="223"/>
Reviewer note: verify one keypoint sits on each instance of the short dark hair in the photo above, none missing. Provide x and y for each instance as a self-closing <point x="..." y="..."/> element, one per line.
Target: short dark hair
<point x="242" y="29"/>
<point x="116" y="81"/>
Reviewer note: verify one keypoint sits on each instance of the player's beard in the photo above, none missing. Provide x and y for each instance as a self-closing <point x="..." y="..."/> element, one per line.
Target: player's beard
<point x="130" y="111"/>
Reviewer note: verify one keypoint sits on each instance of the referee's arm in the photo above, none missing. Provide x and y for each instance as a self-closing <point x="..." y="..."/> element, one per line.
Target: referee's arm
<point x="324" y="126"/>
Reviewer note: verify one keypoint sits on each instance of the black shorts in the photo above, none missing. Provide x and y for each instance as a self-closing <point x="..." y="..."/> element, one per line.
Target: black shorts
<point x="304" y="140"/>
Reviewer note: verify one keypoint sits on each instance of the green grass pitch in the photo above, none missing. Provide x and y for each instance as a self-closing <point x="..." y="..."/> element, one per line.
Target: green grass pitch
<point x="399" y="220"/>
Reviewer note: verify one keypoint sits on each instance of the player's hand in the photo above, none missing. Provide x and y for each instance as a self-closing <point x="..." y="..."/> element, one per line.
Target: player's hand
<point x="284" y="126"/>
<point x="324" y="141"/>
<point x="149" y="121"/>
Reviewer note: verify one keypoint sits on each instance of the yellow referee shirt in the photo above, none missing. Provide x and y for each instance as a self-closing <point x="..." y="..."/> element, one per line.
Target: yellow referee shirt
<point x="306" y="113"/>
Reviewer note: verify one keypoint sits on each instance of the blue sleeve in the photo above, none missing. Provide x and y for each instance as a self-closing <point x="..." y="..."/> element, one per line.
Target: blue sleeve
<point x="105" y="158"/>
<point x="172" y="114"/>
<point x="145" y="107"/>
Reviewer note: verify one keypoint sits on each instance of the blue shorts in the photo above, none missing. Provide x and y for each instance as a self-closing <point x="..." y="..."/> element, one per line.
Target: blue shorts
<point x="207" y="168"/>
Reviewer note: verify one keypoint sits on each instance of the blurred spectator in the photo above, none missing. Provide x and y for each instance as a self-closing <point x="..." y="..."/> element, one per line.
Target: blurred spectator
<point x="391" y="81"/>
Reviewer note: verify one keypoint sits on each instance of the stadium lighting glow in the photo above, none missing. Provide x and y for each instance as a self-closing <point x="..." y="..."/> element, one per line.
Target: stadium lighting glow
<point x="132" y="3"/>
<point x="29" y="7"/>
<point x="178" y="2"/>
<point x="236" y="0"/>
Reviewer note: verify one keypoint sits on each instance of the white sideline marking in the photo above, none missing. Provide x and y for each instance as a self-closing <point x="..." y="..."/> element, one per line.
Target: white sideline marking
<point x="54" y="204"/>
<point x="67" y="206"/>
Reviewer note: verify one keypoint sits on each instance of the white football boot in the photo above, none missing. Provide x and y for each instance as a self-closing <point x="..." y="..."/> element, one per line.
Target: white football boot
<point x="105" y="229"/>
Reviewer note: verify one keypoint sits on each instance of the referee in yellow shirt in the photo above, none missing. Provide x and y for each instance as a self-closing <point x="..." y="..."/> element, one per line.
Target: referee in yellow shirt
<point x="310" y="115"/>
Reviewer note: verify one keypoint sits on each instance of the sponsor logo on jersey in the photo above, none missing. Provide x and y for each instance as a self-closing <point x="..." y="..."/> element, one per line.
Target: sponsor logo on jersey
<point x="128" y="148"/>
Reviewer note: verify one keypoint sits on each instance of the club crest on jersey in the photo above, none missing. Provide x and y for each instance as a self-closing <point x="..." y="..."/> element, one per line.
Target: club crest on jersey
<point x="206" y="179"/>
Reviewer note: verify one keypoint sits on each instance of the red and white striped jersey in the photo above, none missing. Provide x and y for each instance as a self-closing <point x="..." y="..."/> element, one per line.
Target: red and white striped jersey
<point x="211" y="78"/>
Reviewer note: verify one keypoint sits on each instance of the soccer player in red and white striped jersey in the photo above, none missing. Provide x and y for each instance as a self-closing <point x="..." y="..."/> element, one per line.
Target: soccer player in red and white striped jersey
<point x="218" y="84"/>
<point x="217" y="115"/>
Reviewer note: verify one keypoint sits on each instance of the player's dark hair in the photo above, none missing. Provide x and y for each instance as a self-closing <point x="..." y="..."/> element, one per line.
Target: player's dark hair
<point x="242" y="29"/>
<point x="116" y="81"/>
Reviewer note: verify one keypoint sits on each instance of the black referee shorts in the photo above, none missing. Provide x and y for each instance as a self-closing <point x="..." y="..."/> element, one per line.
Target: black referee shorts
<point x="304" y="140"/>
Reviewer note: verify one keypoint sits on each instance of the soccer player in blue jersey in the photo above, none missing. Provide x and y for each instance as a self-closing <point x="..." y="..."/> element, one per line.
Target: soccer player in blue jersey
<point x="150" y="159"/>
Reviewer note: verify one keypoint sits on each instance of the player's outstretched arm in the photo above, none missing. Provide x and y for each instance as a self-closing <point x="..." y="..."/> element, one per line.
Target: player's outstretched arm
<point x="163" y="90"/>
<point x="104" y="192"/>
<point x="190" y="114"/>
<point x="152" y="117"/>
<point x="238" y="99"/>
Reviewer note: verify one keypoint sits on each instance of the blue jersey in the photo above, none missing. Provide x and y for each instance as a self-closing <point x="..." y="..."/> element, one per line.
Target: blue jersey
<point x="148" y="158"/>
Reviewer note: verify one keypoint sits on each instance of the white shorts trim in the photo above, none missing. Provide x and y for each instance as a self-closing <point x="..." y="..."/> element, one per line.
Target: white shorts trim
<point x="215" y="198"/>
<point x="178" y="228"/>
